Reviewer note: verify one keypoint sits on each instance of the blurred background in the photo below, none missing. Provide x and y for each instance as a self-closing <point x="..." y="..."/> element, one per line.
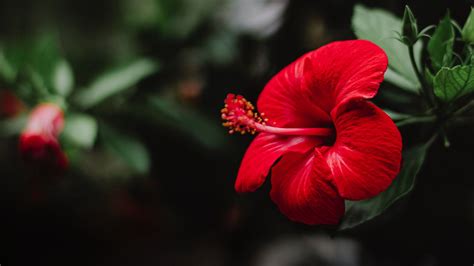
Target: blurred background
<point x="150" y="181"/>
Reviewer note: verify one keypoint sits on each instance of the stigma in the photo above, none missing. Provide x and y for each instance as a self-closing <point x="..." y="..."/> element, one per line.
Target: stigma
<point x="240" y="116"/>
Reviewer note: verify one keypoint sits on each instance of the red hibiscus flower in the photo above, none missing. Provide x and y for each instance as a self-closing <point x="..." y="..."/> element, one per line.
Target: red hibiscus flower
<point x="333" y="144"/>
<point x="39" y="145"/>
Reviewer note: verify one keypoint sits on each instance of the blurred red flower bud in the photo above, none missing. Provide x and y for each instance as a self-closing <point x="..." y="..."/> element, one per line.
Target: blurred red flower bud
<point x="39" y="145"/>
<point x="10" y="105"/>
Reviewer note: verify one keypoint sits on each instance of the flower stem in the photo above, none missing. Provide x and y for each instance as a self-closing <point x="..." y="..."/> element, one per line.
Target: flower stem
<point x="464" y="108"/>
<point x="426" y="90"/>
<point x="459" y="121"/>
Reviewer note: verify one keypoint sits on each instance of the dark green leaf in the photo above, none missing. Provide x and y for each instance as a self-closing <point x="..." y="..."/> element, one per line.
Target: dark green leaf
<point x="80" y="130"/>
<point x="190" y="122"/>
<point x="381" y="27"/>
<point x="451" y="83"/>
<point x="7" y="70"/>
<point x="440" y="46"/>
<point x="32" y="65"/>
<point x="44" y="59"/>
<point x="468" y="29"/>
<point x="358" y="212"/>
<point x="129" y="149"/>
<point x="38" y="55"/>
<point x="115" y="81"/>
<point x="143" y="13"/>
<point x="429" y="77"/>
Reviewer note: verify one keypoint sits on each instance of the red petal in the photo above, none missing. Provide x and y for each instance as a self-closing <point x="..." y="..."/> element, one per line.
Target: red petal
<point x="366" y="156"/>
<point x="306" y="91"/>
<point x="264" y="150"/>
<point x="43" y="151"/>
<point x="302" y="191"/>
<point x="46" y="119"/>
<point x="287" y="102"/>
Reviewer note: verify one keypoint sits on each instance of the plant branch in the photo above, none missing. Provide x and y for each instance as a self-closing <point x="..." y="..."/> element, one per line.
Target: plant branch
<point x="459" y="121"/>
<point x="416" y="119"/>
<point x="426" y="90"/>
<point x="464" y="108"/>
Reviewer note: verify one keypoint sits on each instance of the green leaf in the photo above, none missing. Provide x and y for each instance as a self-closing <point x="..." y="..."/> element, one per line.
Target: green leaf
<point x="395" y="115"/>
<point x="358" y="212"/>
<point x="63" y="78"/>
<point x="440" y="46"/>
<point x="80" y="130"/>
<point x="7" y="71"/>
<point x="114" y="82"/>
<point x="429" y="77"/>
<point x="129" y="149"/>
<point x="34" y="64"/>
<point x="142" y="13"/>
<point x="205" y="131"/>
<point x="468" y="29"/>
<point x="451" y="83"/>
<point x="382" y="28"/>
<point x="42" y="59"/>
<point x="399" y="80"/>
<point x="39" y="54"/>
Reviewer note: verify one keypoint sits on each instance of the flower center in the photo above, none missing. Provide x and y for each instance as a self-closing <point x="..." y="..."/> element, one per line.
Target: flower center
<point x="240" y="116"/>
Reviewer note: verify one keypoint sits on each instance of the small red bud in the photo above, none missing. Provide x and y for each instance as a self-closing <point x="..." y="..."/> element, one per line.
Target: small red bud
<point x="39" y="145"/>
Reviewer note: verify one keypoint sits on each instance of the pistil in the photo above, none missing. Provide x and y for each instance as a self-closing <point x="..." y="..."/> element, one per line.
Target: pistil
<point x="240" y="116"/>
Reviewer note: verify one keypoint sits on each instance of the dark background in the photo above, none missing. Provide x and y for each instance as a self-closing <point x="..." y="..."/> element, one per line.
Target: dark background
<point x="185" y="212"/>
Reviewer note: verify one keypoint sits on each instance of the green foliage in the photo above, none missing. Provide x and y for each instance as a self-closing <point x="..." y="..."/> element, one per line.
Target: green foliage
<point x="63" y="78"/>
<point x="440" y="46"/>
<point x="114" y="82"/>
<point x="381" y="27"/>
<point x="175" y="19"/>
<point x="143" y="13"/>
<point x="80" y="130"/>
<point x="358" y="212"/>
<point x="439" y="83"/>
<point x="205" y="131"/>
<point x="7" y="71"/>
<point x="395" y="115"/>
<point x="451" y="83"/>
<point x="468" y="29"/>
<point x="130" y="149"/>
<point x="36" y="69"/>
<point x="409" y="27"/>
<point x="44" y="58"/>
